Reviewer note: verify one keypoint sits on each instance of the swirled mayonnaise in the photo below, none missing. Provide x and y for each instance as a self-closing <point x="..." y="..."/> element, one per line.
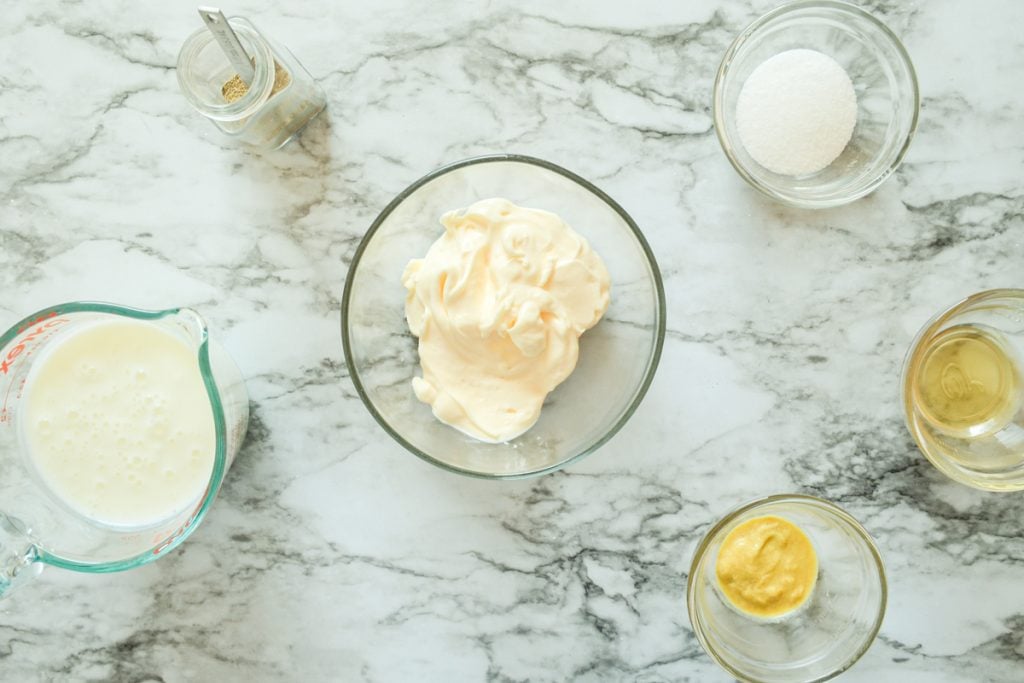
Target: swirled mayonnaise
<point x="498" y="304"/>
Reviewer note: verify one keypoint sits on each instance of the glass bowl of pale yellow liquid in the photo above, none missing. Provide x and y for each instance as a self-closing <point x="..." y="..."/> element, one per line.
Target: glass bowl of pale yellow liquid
<point x="963" y="393"/>
<point x="617" y="357"/>
<point x="786" y="588"/>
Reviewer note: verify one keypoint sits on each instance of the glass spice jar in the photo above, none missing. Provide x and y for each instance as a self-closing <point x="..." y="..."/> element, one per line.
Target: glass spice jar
<point x="265" y="114"/>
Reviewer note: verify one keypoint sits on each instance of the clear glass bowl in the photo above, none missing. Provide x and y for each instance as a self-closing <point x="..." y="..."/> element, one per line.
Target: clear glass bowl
<point x="617" y="358"/>
<point x="883" y="78"/>
<point x="829" y="633"/>
<point x="989" y="456"/>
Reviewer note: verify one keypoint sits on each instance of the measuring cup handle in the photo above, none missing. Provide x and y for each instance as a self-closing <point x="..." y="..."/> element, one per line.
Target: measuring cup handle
<point x="19" y="560"/>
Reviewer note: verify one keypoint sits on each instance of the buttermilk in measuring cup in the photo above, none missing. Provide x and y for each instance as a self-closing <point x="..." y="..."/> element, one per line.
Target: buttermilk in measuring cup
<point x="118" y="423"/>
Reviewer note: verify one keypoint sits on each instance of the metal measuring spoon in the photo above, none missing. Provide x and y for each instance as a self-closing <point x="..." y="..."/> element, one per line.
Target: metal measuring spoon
<point x="228" y="41"/>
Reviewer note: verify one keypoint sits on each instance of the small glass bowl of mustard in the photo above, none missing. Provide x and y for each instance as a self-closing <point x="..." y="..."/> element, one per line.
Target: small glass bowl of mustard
<point x="826" y="632"/>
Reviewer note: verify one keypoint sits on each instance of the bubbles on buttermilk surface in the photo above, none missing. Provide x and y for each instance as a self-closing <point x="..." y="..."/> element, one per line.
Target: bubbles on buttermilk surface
<point x="44" y="426"/>
<point x="132" y="479"/>
<point x="157" y="430"/>
<point x="87" y="371"/>
<point x="177" y="436"/>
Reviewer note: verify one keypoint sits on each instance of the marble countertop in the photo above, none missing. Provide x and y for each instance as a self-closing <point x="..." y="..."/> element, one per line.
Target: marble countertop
<point x="331" y="553"/>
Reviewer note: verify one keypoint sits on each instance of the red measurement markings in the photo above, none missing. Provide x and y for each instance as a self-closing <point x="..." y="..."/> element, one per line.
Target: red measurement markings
<point x="45" y="324"/>
<point x="178" y="532"/>
<point x="34" y="321"/>
<point x="8" y="362"/>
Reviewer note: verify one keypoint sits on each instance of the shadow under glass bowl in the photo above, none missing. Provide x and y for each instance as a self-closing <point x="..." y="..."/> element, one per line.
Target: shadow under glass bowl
<point x="883" y="78"/>
<point x="829" y="633"/>
<point x="617" y="358"/>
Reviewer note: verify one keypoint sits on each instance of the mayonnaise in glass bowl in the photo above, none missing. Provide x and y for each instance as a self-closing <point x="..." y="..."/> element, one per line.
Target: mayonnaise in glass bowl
<point x="617" y="357"/>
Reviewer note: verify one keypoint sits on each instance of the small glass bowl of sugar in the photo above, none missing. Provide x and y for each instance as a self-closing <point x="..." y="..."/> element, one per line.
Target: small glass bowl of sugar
<point x="816" y="103"/>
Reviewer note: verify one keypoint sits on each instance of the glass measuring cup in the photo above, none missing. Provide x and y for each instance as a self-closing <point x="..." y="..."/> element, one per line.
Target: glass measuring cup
<point x="36" y="527"/>
<point x="963" y="390"/>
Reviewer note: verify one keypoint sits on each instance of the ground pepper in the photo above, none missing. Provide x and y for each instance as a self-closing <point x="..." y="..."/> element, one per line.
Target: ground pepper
<point x="235" y="88"/>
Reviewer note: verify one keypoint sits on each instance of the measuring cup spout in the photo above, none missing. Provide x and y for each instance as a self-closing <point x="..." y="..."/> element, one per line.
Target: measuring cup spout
<point x="192" y="324"/>
<point x="19" y="560"/>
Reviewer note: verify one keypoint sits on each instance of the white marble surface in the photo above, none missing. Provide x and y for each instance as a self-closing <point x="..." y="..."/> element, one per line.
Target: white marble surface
<point x="331" y="553"/>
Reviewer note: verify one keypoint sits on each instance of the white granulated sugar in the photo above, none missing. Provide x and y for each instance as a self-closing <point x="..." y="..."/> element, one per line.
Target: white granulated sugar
<point x="796" y="112"/>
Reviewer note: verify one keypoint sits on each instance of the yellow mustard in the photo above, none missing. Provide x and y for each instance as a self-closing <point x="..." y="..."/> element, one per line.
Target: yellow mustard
<point x="766" y="567"/>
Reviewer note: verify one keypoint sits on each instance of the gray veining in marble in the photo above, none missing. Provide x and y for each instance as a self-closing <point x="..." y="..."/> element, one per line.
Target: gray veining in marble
<point x="331" y="553"/>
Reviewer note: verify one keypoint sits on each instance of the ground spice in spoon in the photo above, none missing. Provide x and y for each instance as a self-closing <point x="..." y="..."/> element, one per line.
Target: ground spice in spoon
<point x="235" y="88"/>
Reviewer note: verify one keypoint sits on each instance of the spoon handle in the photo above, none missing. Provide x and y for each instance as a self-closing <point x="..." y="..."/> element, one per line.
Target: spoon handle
<point x="228" y="41"/>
